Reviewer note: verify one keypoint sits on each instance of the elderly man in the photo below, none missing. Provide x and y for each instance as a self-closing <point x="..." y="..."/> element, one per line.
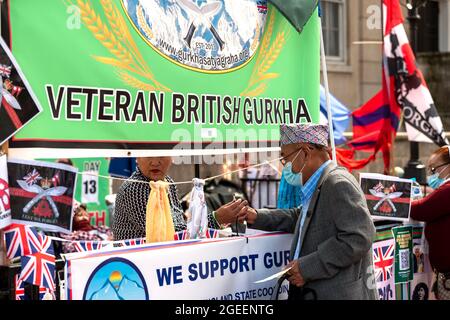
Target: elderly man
<point x="132" y="197"/>
<point x="331" y="250"/>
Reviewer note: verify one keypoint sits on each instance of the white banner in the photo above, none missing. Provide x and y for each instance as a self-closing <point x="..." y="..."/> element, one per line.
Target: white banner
<point x="216" y="269"/>
<point x="5" y="205"/>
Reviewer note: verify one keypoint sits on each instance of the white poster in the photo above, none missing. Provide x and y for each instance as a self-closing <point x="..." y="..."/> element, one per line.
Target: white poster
<point x="213" y="269"/>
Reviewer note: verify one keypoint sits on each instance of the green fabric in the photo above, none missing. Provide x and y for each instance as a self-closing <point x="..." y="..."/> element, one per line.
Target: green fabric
<point x="297" y="12"/>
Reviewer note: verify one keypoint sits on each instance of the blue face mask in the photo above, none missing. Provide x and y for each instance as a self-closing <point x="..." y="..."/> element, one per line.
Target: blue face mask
<point x="294" y="179"/>
<point x="434" y="181"/>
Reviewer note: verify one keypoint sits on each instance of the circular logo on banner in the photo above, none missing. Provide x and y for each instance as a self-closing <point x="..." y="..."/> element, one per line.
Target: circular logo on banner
<point x="116" y="279"/>
<point x="5" y="205"/>
<point x="213" y="36"/>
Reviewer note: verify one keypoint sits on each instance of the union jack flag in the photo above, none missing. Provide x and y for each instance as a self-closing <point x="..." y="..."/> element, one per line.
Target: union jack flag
<point x="134" y="242"/>
<point x="5" y="71"/>
<point x="212" y="233"/>
<point x="39" y="268"/>
<point x="383" y="260"/>
<point x="19" y="289"/>
<point x="44" y="291"/>
<point x="21" y="240"/>
<point x="181" y="235"/>
<point x="262" y="6"/>
<point x="379" y="187"/>
<point x="82" y="246"/>
<point x="32" y="177"/>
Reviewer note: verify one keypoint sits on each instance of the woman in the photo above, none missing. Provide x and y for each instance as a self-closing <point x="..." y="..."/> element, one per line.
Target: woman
<point x="420" y="292"/>
<point x="132" y="197"/>
<point x="435" y="211"/>
<point x="83" y="230"/>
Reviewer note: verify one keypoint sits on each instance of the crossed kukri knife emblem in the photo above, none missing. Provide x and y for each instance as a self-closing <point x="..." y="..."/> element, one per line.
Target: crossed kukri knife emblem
<point x="202" y="16"/>
<point x="41" y="193"/>
<point x="385" y="197"/>
<point x="10" y="99"/>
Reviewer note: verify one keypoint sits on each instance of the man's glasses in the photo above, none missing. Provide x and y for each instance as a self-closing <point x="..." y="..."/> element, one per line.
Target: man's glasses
<point x="283" y="160"/>
<point x="433" y="169"/>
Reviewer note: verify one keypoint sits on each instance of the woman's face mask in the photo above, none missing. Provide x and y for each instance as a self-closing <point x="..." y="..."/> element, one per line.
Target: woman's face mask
<point x="434" y="181"/>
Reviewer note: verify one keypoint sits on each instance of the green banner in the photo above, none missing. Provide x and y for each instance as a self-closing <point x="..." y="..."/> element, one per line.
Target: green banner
<point x="160" y="74"/>
<point x="404" y="271"/>
<point x="92" y="189"/>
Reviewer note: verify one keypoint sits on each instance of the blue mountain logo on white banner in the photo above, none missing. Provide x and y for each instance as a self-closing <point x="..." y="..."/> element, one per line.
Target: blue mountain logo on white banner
<point x="116" y="279"/>
<point x="203" y="35"/>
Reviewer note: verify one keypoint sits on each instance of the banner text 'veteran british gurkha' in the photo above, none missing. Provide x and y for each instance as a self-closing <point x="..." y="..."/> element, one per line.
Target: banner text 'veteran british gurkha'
<point x="115" y="105"/>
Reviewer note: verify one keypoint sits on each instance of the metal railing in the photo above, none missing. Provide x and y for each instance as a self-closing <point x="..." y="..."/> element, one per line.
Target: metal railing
<point x="261" y="192"/>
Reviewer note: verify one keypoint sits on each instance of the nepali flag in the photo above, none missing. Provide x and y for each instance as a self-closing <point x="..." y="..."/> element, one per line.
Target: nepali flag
<point x="407" y="87"/>
<point x="21" y="240"/>
<point x="19" y="288"/>
<point x="39" y="268"/>
<point x="82" y="246"/>
<point x="18" y="103"/>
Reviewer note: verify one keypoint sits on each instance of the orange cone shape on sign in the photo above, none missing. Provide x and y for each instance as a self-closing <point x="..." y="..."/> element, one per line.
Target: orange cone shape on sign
<point x="159" y="224"/>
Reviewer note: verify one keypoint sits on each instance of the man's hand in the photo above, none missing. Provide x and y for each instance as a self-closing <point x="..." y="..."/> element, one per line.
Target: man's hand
<point x="294" y="276"/>
<point x="251" y="216"/>
<point x="228" y="213"/>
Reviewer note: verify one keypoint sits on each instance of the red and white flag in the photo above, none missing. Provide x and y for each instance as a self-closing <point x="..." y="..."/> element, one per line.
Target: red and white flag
<point x="406" y="84"/>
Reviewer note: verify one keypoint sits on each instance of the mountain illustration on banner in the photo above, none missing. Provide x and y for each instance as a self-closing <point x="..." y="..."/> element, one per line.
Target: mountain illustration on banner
<point x="18" y="103"/>
<point x="117" y="287"/>
<point x="116" y="279"/>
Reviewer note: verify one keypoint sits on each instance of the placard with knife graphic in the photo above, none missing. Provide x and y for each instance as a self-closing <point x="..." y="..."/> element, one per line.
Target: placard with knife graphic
<point x="388" y="198"/>
<point x="18" y="104"/>
<point x="42" y="193"/>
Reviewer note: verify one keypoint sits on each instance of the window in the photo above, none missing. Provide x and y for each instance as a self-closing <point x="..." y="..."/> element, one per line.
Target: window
<point x="333" y="25"/>
<point x="428" y="33"/>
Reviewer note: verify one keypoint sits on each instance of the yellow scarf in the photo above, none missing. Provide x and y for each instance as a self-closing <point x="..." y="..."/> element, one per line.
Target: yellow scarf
<point x="158" y="224"/>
